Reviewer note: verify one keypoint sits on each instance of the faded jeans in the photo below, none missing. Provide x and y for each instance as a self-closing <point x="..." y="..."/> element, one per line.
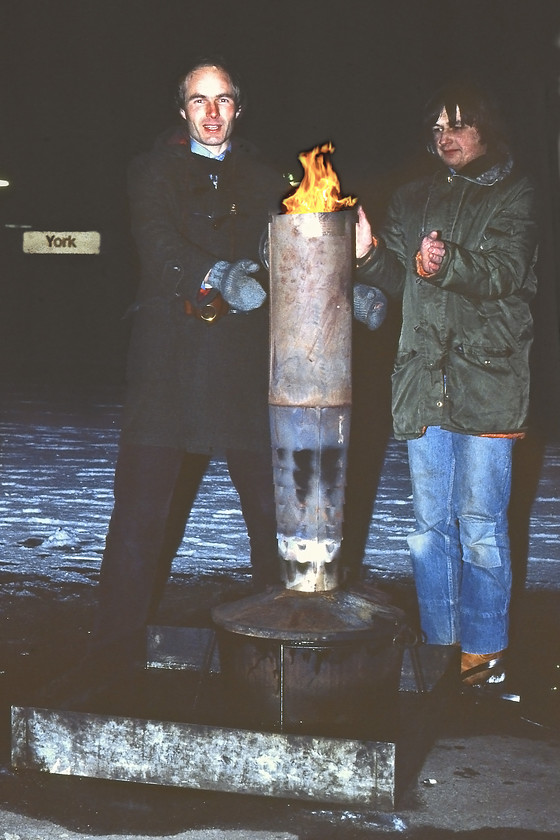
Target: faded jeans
<point x="460" y="549"/>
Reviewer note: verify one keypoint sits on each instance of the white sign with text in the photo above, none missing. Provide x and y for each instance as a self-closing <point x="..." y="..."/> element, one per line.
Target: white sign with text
<point x="68" y="242"/>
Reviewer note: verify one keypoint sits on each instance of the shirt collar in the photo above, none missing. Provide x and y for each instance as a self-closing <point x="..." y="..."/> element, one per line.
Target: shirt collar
<point x="198" y="149"/>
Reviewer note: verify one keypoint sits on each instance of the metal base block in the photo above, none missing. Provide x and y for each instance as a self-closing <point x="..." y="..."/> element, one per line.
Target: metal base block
<point x="205" y="757"/>
<point x="107" y="733"/>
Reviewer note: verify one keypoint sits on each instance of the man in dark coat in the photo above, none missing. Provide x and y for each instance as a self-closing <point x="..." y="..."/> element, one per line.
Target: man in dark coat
<point x="198" y="358"/>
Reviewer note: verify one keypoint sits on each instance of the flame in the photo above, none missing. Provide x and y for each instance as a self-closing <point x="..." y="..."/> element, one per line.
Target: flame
<point x="319" y="191"/>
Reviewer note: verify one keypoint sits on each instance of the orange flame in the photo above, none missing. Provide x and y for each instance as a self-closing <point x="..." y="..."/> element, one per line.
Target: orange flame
<point x="319" y="191"/>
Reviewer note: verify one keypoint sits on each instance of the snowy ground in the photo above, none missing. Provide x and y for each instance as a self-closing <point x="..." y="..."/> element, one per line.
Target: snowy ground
<point x="57" y="461"/>
<point x="490" y="769"/>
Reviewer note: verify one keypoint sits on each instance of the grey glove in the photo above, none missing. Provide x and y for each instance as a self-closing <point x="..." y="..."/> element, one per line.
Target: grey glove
<point x="370" y="305"/>
<point x="238" y="288"/>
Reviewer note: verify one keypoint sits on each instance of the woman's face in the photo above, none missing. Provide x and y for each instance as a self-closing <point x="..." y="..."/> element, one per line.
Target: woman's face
<point x="457" y="144"/>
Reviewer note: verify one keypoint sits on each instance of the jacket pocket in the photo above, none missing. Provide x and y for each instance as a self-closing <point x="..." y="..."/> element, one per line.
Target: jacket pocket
<point x="407" y="390"/>
<point x="485" y="394"/>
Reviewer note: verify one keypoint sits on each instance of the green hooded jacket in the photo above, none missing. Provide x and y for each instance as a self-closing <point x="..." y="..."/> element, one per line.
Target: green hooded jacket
<point x="463" y="355"/>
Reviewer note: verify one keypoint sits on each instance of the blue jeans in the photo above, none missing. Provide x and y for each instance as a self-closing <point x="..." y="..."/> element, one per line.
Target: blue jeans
<point x="460" y="549"/>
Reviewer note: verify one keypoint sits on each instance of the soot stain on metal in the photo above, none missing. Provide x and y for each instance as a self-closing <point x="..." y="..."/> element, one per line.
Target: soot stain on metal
<point x="305" y="462"/>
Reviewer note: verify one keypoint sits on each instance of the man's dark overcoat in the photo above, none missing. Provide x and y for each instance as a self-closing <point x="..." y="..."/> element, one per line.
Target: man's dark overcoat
<point x="196" y="386"/>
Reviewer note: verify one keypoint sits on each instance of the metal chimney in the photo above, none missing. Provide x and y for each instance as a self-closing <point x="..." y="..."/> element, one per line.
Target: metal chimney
<point x="311" y="655"/>
<point x="310" y="390"/>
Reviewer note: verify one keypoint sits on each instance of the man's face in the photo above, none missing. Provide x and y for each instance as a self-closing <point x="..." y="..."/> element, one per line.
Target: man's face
<point x="456" y="144"/>
<point x="210" y="109"/>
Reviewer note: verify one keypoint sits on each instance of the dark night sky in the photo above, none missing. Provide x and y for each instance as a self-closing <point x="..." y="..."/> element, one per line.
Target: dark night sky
<point x="87" y="83"/>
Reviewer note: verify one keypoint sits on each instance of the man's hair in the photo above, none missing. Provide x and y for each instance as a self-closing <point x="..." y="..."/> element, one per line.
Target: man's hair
<point x="210" y="61"/>
<point x="477" y="109"/>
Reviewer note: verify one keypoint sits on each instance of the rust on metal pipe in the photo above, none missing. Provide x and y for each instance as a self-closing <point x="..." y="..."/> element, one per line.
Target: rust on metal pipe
<point x="310" y="390"/>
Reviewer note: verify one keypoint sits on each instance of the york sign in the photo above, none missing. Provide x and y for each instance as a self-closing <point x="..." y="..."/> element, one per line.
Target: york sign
<point x="51" y="242"/>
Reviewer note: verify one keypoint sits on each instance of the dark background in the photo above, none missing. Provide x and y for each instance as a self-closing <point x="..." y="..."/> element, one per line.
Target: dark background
<point x="85" y="84"/>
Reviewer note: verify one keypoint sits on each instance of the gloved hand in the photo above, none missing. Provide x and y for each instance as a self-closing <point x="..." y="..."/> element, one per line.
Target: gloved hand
<point x="370" y="305"/>
<point x="236" y="285"/>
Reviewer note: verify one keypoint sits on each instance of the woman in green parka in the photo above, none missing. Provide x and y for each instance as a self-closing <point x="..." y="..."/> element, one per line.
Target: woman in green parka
<point x="459" y="246"/>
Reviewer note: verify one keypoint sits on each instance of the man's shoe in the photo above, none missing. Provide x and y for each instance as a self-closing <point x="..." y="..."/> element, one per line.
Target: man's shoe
<point x="478" y="669"/>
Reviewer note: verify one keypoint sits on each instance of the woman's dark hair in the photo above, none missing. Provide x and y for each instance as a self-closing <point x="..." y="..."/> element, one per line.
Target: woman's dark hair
<point x="477" y="109"/>
<point x="210" y="61"/>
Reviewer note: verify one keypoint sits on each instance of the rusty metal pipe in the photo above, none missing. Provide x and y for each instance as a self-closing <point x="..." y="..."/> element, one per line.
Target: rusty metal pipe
<point x="310" y="392"/>
<point x="312" y="656"/>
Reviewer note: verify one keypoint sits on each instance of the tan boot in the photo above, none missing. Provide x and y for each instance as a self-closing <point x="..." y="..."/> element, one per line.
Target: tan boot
<point x="482" y="668"/>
